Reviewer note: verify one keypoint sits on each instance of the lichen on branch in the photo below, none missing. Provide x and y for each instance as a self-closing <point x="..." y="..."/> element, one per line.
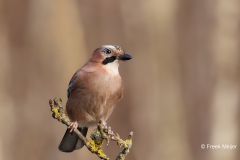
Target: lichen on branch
<point x="101" y="133"/>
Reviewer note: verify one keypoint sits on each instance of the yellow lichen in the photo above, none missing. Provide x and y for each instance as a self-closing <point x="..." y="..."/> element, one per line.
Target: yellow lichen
<point x="100" y="133"/>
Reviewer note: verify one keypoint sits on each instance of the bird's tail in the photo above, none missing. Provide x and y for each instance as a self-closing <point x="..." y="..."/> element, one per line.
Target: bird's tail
<point x="71" y="142"/>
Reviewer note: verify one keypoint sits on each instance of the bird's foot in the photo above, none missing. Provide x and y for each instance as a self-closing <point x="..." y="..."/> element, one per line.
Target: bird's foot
<point x="73" y="126"/>
<point x="106" y="132"/>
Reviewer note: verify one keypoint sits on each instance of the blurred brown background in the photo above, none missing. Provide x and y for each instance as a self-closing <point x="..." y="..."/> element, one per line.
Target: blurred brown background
<point x="181" y="87"/>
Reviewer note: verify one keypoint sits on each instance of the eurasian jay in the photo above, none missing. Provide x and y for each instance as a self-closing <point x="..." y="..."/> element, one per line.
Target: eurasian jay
<point x="93" y="93"/>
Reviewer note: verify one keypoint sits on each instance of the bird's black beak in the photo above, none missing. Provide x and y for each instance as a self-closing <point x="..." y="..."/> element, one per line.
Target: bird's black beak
<point x="125" y="57"/>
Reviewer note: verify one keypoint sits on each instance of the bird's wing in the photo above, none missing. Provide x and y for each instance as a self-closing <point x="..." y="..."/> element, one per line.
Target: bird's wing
<point x="72" y="84"/>
<point x="78" y="78"/>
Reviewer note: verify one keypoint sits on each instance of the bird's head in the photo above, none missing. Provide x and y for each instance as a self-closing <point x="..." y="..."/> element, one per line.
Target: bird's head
<point x="109" y="57"/>
<point x="107" y="54"/>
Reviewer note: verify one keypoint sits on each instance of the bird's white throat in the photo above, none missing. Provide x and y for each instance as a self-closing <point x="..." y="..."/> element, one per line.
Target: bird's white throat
<point x="112" y="68"/>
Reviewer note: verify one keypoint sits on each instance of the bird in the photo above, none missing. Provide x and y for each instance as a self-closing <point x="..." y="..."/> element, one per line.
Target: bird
<point x="93" y="92"/>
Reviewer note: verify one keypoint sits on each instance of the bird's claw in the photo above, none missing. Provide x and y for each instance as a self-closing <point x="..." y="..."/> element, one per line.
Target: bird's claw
<point x="106" y="132"/>
<point x="73" y="126"/>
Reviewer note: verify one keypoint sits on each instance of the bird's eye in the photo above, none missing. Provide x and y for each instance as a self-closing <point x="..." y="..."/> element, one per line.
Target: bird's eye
<point x="108" y="51"/>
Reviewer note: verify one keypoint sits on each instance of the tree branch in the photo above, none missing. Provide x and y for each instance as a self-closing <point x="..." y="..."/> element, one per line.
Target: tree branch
<point x="99" y="134"/>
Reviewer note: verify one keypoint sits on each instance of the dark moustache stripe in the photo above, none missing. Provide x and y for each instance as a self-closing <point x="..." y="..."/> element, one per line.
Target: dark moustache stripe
<point x="109" y="60"/>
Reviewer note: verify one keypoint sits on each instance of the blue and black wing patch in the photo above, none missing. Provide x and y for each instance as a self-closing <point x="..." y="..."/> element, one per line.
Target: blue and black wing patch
<point x="70" y="88"/>
<point x="71" y="85"/>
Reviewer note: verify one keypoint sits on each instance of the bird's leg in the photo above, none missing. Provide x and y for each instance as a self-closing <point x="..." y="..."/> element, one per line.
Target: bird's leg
<point x="104" y="123"/>
<point x="105" y="131"/>
<point x="110" y="135"/>
<point x="73" y="126"/>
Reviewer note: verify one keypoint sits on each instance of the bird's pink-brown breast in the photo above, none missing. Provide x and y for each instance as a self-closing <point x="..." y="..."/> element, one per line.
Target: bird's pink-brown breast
<point x="95" y="95"/>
